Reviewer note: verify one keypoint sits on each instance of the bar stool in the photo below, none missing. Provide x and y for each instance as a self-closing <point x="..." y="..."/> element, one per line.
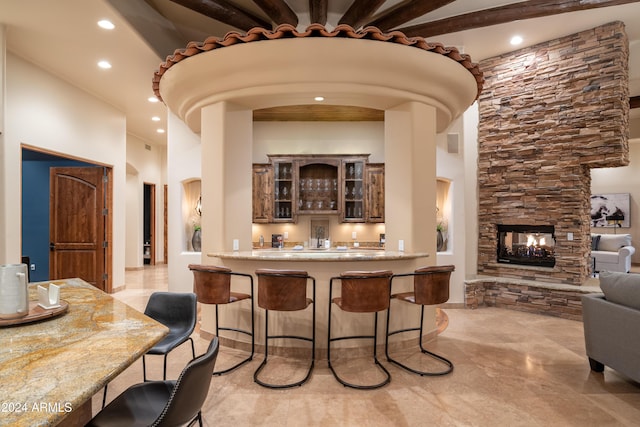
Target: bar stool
<point x="362" y="292"/>
<point x="212" y="285"/>
<point x="430" y="287"/>
<point x="285" y="290"/>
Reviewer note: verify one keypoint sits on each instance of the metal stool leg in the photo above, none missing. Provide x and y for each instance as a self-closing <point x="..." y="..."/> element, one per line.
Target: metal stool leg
<point x="250" y="333"/>
<point x="387" y="378"/>
<point x="445" y="361"/>
<point x="266" y="354"/>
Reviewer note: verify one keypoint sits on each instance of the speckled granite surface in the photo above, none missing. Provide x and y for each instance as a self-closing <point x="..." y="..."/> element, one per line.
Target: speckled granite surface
<point x="318" y="255"/>
<point x="50" y="368"/>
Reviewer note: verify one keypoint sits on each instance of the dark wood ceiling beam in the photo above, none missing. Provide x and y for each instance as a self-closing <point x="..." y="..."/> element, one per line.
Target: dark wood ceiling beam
<point x="278" y="11"/>
<point x="225" y="12"/>
<point x="318" y="11"/>
<point x="405" y="12"/>
<point x="359" y="12"/>
<point x="503" y="14"/>
<point x="634" y="102"/>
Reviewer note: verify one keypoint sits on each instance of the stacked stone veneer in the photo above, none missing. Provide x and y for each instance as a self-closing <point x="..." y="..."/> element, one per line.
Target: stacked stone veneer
<point x="557" y="300"/>
<point x="548" y="114"/>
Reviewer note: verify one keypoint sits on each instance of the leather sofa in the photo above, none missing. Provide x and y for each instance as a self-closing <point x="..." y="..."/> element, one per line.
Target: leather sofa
<point x="612" y="324"/>
<point x="612" y="252"/>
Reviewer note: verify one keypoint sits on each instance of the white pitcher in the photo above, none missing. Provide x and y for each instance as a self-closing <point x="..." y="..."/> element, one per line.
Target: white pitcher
<point x="14" y="296"/>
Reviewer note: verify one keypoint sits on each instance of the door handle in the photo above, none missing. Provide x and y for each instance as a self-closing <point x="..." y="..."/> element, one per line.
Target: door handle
<point x="52" y="246"/>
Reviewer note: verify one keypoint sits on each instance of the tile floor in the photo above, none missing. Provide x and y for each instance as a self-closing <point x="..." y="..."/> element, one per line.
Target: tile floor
<point x="511" y="369"/>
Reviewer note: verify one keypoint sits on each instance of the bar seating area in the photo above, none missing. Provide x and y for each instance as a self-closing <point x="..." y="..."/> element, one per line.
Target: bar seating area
<point x="475" y="393"/>
<point x="355" y="293"/>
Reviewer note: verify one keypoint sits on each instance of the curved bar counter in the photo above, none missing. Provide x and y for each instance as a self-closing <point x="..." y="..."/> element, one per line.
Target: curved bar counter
<point x="321" y="264"/>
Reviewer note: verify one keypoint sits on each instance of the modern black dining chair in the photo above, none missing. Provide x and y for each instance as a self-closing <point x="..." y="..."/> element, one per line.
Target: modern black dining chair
<point x="163" y="403"/>
<point x="178" y="312"/>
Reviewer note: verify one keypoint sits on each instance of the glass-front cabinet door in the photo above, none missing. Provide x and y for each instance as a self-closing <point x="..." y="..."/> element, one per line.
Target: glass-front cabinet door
<point x="354" y="190"/>
<point x="318" y="186"/>
<point x="284" y="191"/>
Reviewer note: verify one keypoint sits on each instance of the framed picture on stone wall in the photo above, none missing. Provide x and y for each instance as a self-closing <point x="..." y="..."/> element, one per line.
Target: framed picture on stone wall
<point x="610" y="210"/>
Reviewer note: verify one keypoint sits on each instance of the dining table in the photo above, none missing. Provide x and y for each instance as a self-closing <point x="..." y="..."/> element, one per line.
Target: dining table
<point x="55" y="360"/>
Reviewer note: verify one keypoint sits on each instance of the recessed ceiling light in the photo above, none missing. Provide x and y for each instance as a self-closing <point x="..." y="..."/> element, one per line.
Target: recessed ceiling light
<point x="155" y="118"/>
<point x="160" y="130"/>
<point x="106" y="24"/>
<point x="516" y="40"/>
<point x="319" y="98"/>
<point x="153" y="99"/>
<point x="104" y="64"/>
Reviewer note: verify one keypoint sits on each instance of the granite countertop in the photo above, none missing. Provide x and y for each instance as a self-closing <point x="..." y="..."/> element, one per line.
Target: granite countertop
<point x="53" y="367"/>
<point x="318" y="255"/>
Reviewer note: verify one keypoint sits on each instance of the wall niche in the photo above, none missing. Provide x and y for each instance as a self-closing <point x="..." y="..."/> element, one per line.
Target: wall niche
<point x="191" y="214"/>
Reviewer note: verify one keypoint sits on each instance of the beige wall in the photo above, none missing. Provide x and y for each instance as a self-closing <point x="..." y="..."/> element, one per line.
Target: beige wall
<point x="183" y="166"/>
<point x="45" y="112"/>
<point x="318" y="138"/>
<point x="5" y="253"/>
<point x="460" y="170"/>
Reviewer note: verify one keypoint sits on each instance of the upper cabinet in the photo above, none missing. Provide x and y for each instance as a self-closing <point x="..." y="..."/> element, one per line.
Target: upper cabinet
<point x="293" y="185"/>
<point x="262" y="181"/>
<point x="375" y="192"/>
<point x="354" y="189"/>
<point x="318" y="189"/>
<point x="284" y="191"/>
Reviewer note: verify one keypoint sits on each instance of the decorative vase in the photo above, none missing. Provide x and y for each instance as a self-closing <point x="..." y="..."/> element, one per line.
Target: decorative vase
<point x="439" y="241"/>
<point x="196" y="240"/>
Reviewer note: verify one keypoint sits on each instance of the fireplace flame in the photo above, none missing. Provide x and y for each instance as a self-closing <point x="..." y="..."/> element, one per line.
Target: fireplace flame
<point x="531" y="241"/>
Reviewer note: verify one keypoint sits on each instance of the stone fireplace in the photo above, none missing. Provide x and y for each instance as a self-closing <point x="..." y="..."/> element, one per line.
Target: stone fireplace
<point x="547" y="115"/>
<point x="532" y="245"/>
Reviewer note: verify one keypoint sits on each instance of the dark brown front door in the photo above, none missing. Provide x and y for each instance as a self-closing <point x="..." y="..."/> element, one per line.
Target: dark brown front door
<point x="78" y="237"/>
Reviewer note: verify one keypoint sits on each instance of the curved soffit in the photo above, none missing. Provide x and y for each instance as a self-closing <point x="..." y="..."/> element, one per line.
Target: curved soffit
<point x="283" y="67"/>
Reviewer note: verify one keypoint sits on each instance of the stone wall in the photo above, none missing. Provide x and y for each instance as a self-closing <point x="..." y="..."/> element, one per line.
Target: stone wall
<point x="548" y="114"/>
<point x="556" y="300"/>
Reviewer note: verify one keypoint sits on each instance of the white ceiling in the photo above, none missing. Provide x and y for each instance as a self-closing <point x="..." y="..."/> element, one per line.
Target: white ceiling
<point x="62" y="37"/>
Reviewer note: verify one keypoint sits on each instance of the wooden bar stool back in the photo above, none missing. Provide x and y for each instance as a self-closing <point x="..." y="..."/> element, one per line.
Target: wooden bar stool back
<point x="430" y="287"/>
<point x="212" y="285"/>
<point x="362" y="292"/>
<point x="285" y="290"/>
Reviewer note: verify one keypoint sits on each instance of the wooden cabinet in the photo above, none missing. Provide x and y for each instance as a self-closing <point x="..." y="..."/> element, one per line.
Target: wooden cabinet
<point x="292" y="185"/>
<point x="375" y="192"/>
<point x="318" y="186"/>
<point x="284" y="191"/>
<point x="262" y="181"/>
<point x="353" y="209"/>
